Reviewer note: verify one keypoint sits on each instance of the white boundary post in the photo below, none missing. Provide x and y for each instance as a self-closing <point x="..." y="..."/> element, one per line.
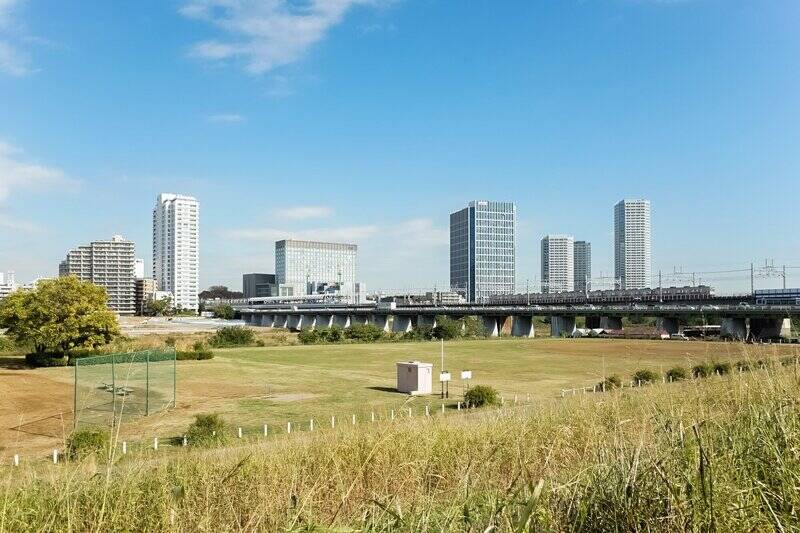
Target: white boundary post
<point x="459" y="406"/>
<point x="311" y="425"/>
<point x="265" y="430"/>
<point x="124" y="447"/>
<point x="55" y="457"/>
<point x="155" y="443"/>
<point x="409" y="412"/>
<point x="392" y="416"/>
<point x="373" y="416"/>
<point x="442" y="408"/>
<point x="16" y="459"/>
<point x="427" y="411"/>
<point x="354" y="419"/>
<point x="288" y="427"/>
<point x="185" y="441"/>
<point x="240" y="433"/>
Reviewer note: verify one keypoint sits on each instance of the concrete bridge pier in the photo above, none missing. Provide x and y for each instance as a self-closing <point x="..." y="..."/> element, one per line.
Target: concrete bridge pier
<point x="266" y="321"/>
<point x="380" y="321"/>
<point x="323" y="321"/>
<point x="341" y="321"/>
<point x="426" y="320"/>
<point x="247" y="318"/>
<point x="402" y="324"/>
<point x="295" y="322"/>
<point x="562" y="326"/>
<point x="669" y="325"/>
<point x="491" y="326"/>
<point x="279" y="321"/>
<point x="522" y="326"/>
<point x="593" y="322"/>
<point x="770" y="328"/>
<point x="613" y="323"/>
<point x="358" y="320"/>
<point x="734" y="328"/>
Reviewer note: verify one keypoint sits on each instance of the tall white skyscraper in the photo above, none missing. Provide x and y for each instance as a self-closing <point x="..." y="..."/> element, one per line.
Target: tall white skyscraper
<point x="558" y="263"/>
<point x="176" y="248"/>
<point x="483" y="249"/>
<point x="632" y="244"/>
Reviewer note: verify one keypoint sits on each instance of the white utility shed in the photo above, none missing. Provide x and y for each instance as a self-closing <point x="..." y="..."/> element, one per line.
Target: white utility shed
<point x="414" y="377"/>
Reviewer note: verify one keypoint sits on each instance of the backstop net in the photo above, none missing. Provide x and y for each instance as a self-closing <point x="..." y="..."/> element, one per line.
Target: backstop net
<point x="113" y="388"/>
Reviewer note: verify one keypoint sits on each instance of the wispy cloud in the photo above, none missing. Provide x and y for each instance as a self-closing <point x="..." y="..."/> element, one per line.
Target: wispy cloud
<point x="14" y="224"/>
<point x="266" y="34"/>
<point x="306" y="212"/>
<point x="13" y="61"/>
<point x="226" y="118"/>
<point x="342" y="234"/>
<point x="17" y="174"/>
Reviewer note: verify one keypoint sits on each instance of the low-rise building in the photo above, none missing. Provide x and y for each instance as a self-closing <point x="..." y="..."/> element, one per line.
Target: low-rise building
<point x="145" y="292"/>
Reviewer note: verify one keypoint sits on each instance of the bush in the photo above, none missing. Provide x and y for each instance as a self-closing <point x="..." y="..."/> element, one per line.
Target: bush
<point x="6" y="344"/>
<point x="610" y="383"/>
<point x="788" y="360"/>
<point x="199" y="352"/>
<point x="232" y="336"/>
<point x="743" y="366"/>
<point x="722" y="368"/>
<point x="207" y="430"/>
<point x="702" y="370"/>
<point x="88" y="442"/>
<point x="645" y="377"/>
<point x="309" y="336"/>
<point x="364" y="333"/>
<point x="677" y="373"/>
<point x="170" y="341"/>
<point x="186" y="355"/>
<point x="447" y="328"/>
<point x="480" y="396"/>
<point x="46" y="360"/>
<point x="473" y="327"/>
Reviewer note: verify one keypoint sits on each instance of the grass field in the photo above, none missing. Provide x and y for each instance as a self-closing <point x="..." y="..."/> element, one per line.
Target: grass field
<point x="714" y="454"/>
<point x="253" y="386"/>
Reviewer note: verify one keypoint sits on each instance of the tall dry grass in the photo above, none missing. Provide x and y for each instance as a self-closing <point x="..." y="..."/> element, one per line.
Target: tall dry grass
<point x="720" y="454"/>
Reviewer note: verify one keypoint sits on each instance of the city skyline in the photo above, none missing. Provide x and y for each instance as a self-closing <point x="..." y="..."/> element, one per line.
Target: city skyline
<point x="396" y="117"/>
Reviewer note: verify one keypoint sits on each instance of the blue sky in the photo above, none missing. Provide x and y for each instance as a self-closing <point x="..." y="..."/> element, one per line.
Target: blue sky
<point x="372" y="120"/>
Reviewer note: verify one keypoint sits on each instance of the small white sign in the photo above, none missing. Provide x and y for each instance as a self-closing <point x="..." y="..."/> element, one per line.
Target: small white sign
<point x="444" y="376"/>
<point x="466" y="374"/>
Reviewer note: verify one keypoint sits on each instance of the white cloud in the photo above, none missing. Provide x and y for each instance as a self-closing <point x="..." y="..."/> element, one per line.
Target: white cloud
<point x="14" y="224"/>
<point x="342" y="234"/>
<point x="226" y="118"/>
<point x="16" y="174"/>
<point x="306" y="212"/>
<point x="12" y="60"/>
<point x="266" y="34"/>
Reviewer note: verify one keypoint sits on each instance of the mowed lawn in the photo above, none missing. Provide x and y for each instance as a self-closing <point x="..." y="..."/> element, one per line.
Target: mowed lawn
<point x="250" y="387"/>
<point x="254" y="386"/>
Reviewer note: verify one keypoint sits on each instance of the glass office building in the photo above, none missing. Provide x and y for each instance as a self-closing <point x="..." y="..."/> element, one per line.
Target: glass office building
<point x="483" y="249"/>
<point x="303" y="266"/>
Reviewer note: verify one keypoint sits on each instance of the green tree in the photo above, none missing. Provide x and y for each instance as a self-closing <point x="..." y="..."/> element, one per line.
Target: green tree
<point x="447" y="328"/>
<point x="226" y="312"/>
<point x="158" y="307"/>
<point x="58" y="316"/>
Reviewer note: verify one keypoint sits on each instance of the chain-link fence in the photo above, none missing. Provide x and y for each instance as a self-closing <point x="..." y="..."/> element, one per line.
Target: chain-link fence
<point x="110" y="389"/>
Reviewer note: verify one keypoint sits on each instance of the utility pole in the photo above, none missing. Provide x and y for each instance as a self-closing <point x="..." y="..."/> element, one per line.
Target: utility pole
<point x="660" y="289"/>
<point x="527" y="292"/>
<point x="752" y="279"/>
<point x="784" y="277"/>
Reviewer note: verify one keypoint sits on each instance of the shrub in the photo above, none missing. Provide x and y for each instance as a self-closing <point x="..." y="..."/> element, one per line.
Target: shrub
<point x="232" y="336"/>
<point x="87" y="442"/>
<point x="260" y="343"/>
<point x="309" y="336"/>
<point x="365" y="333"/>
<point x="6" y="344"/>
<point x="610" y="383"/>
<point x="702" y="370"/>
<point x="677" y="373"/>
<point x="645" y="377"/>
<point x="481" y="395"/>
<point x="743" y="366"/>
<point x="170" y="341"/>
<point x="45" y="360"/>
<point x="473" y="327"/>
<point x="186" y="355"/>
<point x="199" y="352"/>
<point x="205" y="355"/>
<point x="722" y="368"/>
<point x="207" y="430"/>
<point x="447" y="328"/>
<point x="334" y="334"/>
<point x="788" y="360"/>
